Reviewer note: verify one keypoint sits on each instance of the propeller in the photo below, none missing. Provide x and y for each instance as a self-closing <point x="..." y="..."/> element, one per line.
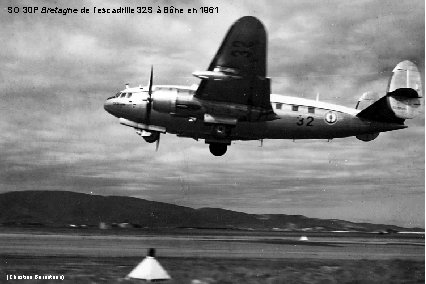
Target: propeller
<point x="149" y="100"/>
<point x="157" y="143"/>
<point x="149" y="106"/>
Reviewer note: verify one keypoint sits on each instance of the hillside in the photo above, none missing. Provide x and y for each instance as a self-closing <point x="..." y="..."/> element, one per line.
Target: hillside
<point x="61" y="208"/>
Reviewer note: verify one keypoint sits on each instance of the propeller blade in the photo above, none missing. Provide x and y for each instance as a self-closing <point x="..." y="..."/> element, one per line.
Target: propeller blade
<point x="149" y="101"/>
<point x="150" y="82"/>
<point x="157" y="144"/>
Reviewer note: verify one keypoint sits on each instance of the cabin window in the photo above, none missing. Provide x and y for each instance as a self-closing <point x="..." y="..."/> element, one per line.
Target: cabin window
<point x="279" y="105"/>
<point x="183" y="91"/>
<point x="123" y="95"/>
<point x="118" y="94"/>
<point x="295" y="108"/>
<point x="129" y="95"/>
<point x="311" y="109"/>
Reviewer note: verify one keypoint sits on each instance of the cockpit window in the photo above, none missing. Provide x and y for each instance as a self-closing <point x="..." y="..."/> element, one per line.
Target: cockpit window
<point x="129" y="95"/>
<point x="115" y="96"/>
<point x="123" y="95"/>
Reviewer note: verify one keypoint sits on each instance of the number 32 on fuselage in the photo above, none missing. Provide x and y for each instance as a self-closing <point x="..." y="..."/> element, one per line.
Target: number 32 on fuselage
<point x="233" y="102"/>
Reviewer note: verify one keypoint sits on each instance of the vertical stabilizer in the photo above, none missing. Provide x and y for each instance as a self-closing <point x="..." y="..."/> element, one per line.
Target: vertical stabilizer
<point x="406" y="75"/>
<point x="367" y="99"/>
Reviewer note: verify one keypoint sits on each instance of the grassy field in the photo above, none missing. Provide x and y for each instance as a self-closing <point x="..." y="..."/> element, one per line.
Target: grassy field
<point x="215" y="270"/>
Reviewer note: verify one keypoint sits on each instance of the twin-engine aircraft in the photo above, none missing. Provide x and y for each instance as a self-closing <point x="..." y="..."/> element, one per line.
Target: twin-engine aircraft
<point x="233" y="102"/>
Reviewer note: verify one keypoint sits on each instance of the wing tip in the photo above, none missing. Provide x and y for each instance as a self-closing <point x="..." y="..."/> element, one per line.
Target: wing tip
<point x="249" y="20"/>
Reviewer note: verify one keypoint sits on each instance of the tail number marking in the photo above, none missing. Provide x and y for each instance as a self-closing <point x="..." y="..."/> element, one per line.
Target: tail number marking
<point x="301" y="121"/>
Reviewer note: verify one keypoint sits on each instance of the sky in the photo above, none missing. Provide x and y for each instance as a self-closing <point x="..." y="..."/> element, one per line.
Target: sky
<point x="57" y="70"/>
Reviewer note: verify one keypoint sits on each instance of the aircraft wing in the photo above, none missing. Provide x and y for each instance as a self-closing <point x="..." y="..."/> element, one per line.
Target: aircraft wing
<point x="237" y="73"/>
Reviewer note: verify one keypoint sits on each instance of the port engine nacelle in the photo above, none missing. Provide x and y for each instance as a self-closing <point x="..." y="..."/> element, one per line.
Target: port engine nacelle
<point x="180" y="105"/>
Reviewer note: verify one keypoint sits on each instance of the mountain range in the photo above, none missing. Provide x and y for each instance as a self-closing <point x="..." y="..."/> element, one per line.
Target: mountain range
<point x="62" y="208"/>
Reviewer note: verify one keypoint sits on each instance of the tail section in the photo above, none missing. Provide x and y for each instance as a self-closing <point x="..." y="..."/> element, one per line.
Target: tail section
<point x="403" y="98"/>
<point x="405" y="75"/>
<point x="367" y="99"/>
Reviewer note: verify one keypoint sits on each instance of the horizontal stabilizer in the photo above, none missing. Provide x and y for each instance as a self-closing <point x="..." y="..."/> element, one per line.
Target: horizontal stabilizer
<point x="395" y="107"/>
<point x="405" y="92"/>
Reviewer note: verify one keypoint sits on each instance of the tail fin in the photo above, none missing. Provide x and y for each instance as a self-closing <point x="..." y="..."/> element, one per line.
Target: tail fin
<point x="403" y="98"/>
<point x="367" y="99"/>
<point x="405" y="75"/>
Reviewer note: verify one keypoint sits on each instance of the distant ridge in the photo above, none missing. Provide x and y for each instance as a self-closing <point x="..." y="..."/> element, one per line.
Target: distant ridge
<point x="61" y="208"/>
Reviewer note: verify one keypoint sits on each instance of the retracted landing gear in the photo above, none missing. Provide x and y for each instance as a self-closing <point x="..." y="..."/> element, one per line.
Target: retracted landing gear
<point x="218" y="149"/>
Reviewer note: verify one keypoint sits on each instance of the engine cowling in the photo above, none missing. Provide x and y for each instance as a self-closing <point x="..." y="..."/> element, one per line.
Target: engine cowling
<point x="164" y="101"/>
<point x="169" y="101"/>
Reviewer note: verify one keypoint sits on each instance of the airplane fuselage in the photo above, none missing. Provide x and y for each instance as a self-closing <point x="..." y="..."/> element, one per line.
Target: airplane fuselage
<point x="177" y="111"/>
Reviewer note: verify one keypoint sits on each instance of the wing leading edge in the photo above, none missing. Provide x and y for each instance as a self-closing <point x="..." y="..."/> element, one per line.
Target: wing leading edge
<point x="237" y="73"/>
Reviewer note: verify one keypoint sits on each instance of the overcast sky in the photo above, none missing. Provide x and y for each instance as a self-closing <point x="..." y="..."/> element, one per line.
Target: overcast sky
<point x="57" y="70"/>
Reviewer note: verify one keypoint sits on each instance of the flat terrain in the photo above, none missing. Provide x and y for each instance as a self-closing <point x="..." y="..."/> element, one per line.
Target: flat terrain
<point x="106" y="257"/>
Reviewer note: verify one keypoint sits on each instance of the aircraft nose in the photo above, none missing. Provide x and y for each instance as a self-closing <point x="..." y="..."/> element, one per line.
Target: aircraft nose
<point x="108" y="106"/>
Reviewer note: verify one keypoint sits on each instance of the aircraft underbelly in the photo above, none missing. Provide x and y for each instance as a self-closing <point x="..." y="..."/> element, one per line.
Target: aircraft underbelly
<point x="288" y="126"/>
<point x="306" y="127"/>
<point x="323" y="124"/>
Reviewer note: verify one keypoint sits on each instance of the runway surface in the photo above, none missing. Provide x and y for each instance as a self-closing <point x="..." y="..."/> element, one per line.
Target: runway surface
<point x="102" y="257"/>
<point x="211" y="246"/>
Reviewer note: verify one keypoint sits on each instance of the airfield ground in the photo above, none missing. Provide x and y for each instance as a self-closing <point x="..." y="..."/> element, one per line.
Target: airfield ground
<point x="94" y="256"/>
